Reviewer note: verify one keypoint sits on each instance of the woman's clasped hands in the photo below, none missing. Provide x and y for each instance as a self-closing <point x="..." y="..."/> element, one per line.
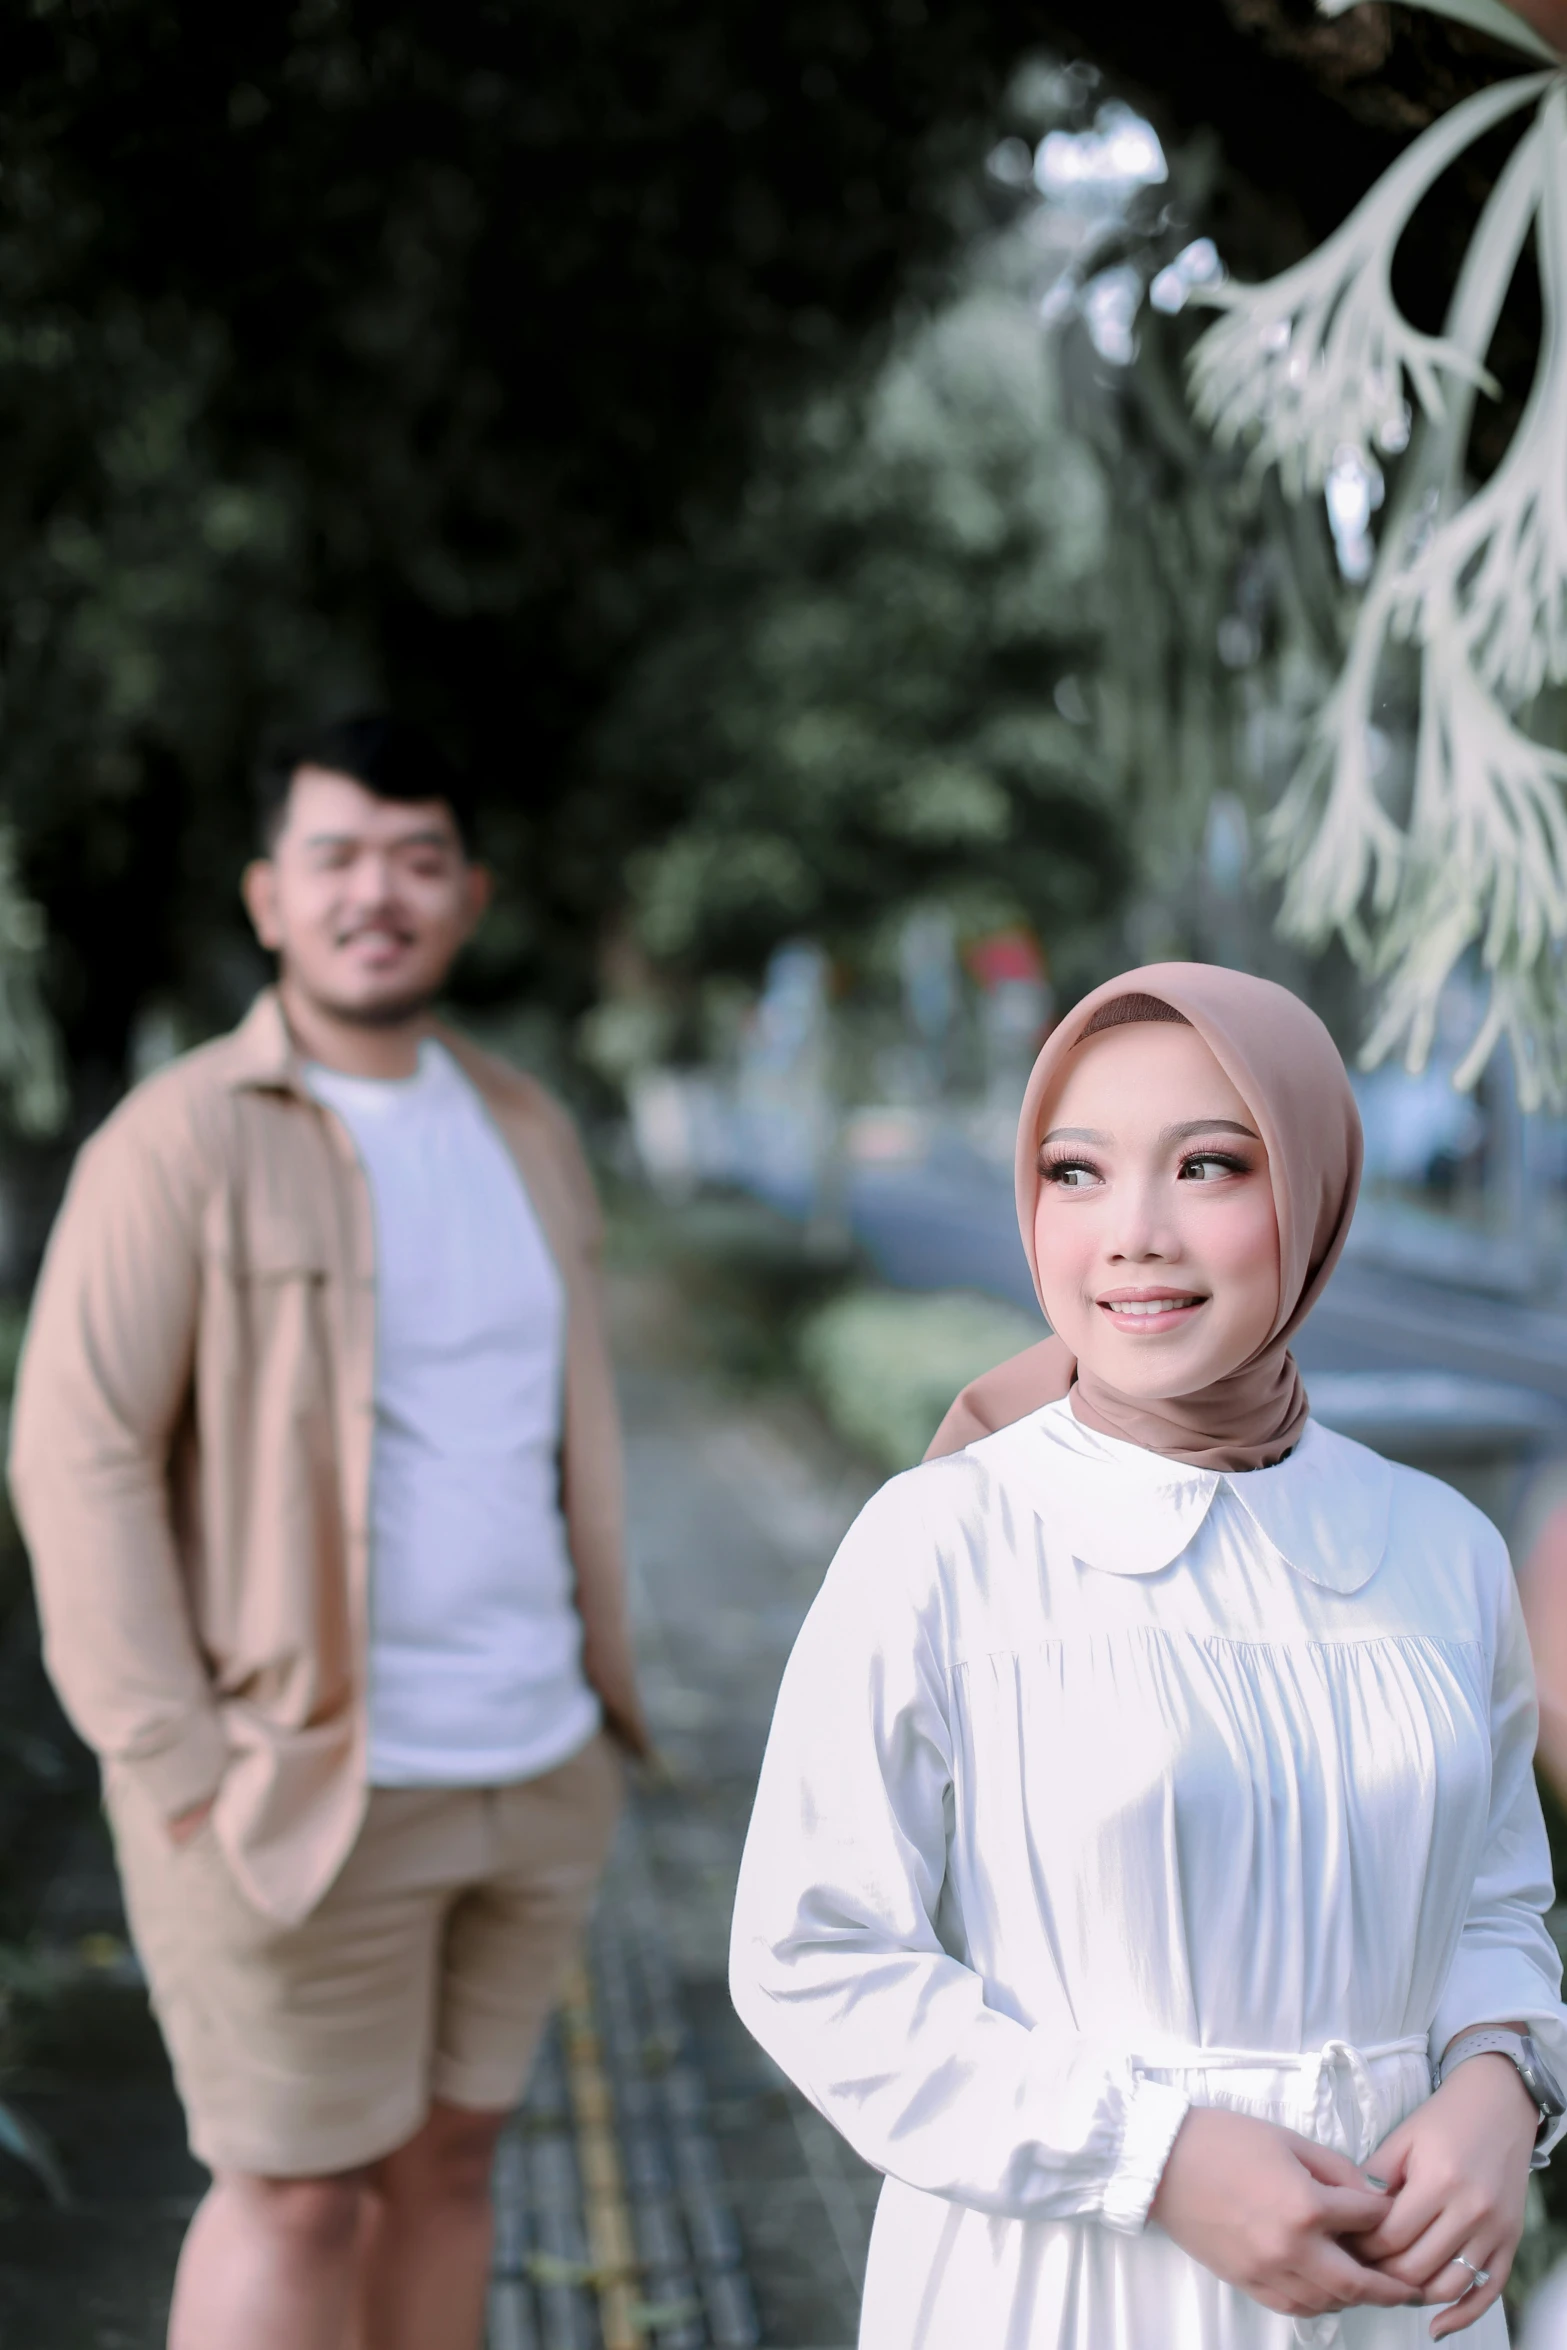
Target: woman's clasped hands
<point x="1458" y="2171"/>
<point x="1265" y="2209"/>
<point x="1303" y="2230"/>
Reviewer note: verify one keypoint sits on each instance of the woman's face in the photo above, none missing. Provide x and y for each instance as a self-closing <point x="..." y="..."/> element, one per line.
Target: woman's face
<point x="1157" y="1241"/>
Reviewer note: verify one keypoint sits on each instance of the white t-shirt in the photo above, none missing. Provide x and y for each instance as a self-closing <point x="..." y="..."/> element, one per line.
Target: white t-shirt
<point x="475" y="1642"/>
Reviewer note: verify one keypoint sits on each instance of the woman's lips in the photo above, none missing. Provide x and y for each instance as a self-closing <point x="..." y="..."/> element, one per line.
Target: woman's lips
<point x="1151" y="1310"/>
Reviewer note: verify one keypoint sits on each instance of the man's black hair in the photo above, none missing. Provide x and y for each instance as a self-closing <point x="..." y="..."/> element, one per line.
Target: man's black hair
<point x="391" y="757"/>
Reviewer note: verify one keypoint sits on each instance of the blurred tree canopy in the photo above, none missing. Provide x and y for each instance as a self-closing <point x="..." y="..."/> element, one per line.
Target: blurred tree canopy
<point x="368" y="346"/>
<point x="854" y="703"/>
<point x="363" y="347"/>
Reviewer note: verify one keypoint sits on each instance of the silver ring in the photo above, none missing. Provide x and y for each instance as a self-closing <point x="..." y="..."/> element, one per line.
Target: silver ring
<point x="1480" y="2276"/>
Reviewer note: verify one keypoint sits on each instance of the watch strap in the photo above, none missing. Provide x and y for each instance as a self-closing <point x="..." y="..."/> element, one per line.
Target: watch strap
<point x="1483" y="2040"/>
<point x="1492" y="2040"/>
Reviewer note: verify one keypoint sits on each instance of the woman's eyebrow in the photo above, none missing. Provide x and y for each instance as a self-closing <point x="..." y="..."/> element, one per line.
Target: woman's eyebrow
<point x="1191" y="1126"/>
<point x="1181" y="1133"/>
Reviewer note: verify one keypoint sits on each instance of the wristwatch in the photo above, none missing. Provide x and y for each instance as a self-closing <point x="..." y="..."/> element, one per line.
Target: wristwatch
<point x="1523" y="2051"/>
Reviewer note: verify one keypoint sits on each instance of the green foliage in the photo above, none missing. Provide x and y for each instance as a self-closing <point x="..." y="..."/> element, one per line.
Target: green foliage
<point x="156" y="607"/>
<point x="853" y="700"/>
<point x="745" y="1274"/>
<point x="25" y="2143"/>
<point x="387" y="346"/>
<point x="13" y="1328"/>
<point x="885" y="1365"/>
<point x="429" y="347"/>
<point x="31" y="1079"/>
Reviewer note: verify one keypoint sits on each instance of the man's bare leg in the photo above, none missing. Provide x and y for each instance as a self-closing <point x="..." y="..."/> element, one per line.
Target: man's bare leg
<point x="269" y="2264"/>
<point x="425" y="2249"/>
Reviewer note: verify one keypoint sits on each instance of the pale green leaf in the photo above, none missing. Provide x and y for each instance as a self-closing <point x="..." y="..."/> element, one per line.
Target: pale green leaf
<point x="1484" y="16"/>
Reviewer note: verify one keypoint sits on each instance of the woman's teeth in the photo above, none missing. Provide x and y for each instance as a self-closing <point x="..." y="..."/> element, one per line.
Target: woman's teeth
<point x="1149" y="1305"/>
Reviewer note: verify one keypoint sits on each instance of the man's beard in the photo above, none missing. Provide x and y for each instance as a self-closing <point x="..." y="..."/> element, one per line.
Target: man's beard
<point x="391" y="1012"/>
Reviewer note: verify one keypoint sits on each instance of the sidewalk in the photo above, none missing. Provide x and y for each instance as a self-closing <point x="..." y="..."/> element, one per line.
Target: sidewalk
<point x="747" y="2218"/>
<point x="738" y="1510"/>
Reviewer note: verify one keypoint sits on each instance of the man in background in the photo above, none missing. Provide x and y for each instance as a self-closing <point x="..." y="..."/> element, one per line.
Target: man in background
<point x="317" y="1459"/>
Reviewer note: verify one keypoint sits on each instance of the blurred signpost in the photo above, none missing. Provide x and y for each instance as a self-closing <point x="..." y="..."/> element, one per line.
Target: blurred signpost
<point x="1016" y="1003"/>
<point x="928" y="967"/>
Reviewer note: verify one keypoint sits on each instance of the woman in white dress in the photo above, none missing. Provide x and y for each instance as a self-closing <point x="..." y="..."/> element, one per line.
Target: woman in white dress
<point x="1149" y="1807"/>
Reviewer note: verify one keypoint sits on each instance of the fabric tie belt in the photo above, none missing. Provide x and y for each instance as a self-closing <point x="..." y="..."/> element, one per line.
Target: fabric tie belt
<point x="1337" y="2095"/>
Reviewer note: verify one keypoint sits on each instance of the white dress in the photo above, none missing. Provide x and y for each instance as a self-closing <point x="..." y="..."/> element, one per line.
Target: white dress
<point x="1098" y="1786"/>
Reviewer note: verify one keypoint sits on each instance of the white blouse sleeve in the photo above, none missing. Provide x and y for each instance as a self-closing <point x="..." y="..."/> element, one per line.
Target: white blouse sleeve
<point x="836" y="1962"/>
<point x="1506" y="1968"/>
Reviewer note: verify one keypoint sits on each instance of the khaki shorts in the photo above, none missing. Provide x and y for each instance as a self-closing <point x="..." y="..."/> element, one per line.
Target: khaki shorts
<point x="427" y="1971"/>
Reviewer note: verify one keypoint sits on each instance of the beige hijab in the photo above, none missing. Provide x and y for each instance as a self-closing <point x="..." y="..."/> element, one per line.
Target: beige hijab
<point x="1286" y="1068"/>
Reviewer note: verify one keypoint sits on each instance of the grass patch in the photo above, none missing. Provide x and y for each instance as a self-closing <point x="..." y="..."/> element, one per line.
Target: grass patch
<point x="884" y="1364"/>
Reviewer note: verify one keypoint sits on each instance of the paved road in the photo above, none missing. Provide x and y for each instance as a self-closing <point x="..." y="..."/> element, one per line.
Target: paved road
<point x="737" y="1510"/>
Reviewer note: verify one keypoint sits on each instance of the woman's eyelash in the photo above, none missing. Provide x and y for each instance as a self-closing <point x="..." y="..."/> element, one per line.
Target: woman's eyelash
<point x="1230" y="1161"/>
<point x="1052" y="1166"/>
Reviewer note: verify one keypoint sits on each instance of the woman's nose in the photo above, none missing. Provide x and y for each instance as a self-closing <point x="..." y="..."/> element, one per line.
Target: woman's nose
<point x="1142" y="1230"/>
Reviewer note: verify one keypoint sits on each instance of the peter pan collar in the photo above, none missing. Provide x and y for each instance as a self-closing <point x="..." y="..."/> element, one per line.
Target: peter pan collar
<point x="1325" y="1509"/>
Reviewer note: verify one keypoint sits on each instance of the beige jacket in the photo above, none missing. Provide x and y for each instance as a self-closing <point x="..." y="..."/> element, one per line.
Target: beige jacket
<point x="190" y="1457"/>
